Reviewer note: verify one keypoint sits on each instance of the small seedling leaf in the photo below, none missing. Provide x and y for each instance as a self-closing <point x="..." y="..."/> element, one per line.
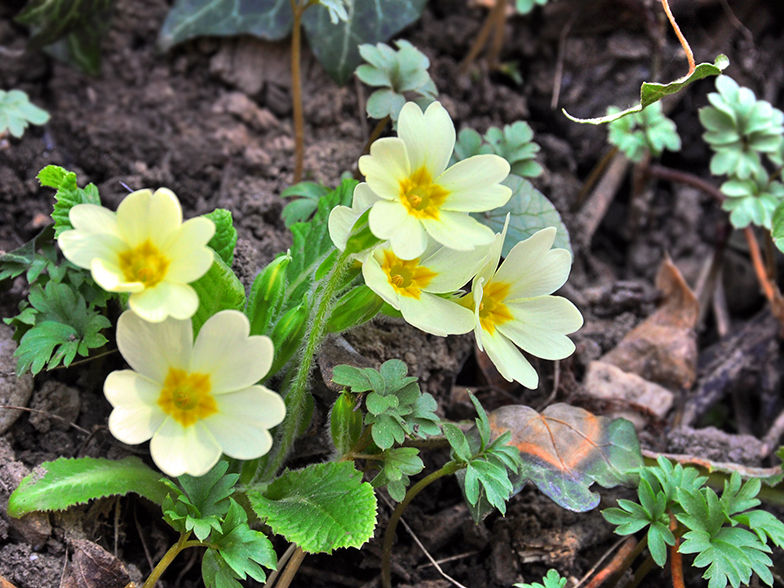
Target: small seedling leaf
<point x="16" y="112"/>
<point x="56" y="485"/>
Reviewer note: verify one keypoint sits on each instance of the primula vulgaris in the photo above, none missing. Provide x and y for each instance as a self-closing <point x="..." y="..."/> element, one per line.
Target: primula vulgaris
<point x="194" y="400"/>
<point x="416" y="287"/>
<point x="343" y="218"/>
<point x="513" y="306"/>
<point x="418" y="196"/>
<point x="144" y="249"/>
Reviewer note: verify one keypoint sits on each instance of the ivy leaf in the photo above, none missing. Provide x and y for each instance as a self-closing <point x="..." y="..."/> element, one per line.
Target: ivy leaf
<point x="267" y="19"/>
<point x="218" y="289"/>
<point x="68" y="195"/>
<point x="529" y="211"/>
<point x="312" y="244"/>
<point x="236" y="552"/>
<point x="651" y="93"/>
<point x="565" y="449"/>
<point x="320" y="508"/>
<point x="225" y="238"/>
<point x="56" y="485"/>
<point x="336" y="46"/>
<point x="202" y="502"/>
<point x="51" y="20"/>
<point x="64" y="326"/>
<point x="16" y="112"/>
<point x="307" y="196"/>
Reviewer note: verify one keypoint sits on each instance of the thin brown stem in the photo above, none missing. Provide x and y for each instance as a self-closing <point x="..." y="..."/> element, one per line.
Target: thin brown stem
<point x="759" y="266"/>
<point x="291" y="568"/>
<point x="296" y="90"/>
<point x="376" y="133"/>
<point x="676" y="560"/>
<point x="481" y="38"/>
<point x="498" y="14"/>
<point x="681" y="38"/>
<point x="674" y="175"/>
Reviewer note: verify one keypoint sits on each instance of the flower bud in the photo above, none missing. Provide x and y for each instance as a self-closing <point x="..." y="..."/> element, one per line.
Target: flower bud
<point x="345" y="422"/>
<point x="266" y="295"/>
<point x="357" y="306"/>
<point x="287" y="335"/>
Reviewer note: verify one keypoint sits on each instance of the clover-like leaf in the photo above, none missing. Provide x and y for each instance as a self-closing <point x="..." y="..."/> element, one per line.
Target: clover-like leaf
<point x="514" y="143"/>
<point x="651" y="92"/>
<point x="322" y="507"/>
<point x="649" y="131"/>
<point x="16" y="112"/>
<point x="753" y="200"/>
<point x="553" y="579"/>
<point x="398" y="465"/>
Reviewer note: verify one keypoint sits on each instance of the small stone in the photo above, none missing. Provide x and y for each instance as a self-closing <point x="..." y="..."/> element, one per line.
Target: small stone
<point x="604" y="380"/>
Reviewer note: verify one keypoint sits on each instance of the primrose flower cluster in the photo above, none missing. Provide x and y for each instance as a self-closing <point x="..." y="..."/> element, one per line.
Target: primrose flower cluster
<point x="192" y="400"/>
<point x="432" y="247"/>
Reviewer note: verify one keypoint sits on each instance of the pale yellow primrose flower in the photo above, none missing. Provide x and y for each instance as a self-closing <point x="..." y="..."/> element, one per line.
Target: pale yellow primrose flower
<point x="194" y="400"/>
<point x="412" y="286"/>
<point x="419" y="196"/>
<point x="145" y="249"/>
<point x="513" y="306"/>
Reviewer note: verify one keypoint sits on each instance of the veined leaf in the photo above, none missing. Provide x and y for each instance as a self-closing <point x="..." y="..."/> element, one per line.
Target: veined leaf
<point x="337" y="45"/>
<point x="68" y="195"/>
<point x="21" y="259"/>
<point x="565" y="449"/>
<point x="225" y="238"/>
<point x="218" y="289"/>
<point x="51" y="20"/>
<point x="56" y="485"/>
<point x="529" y="211"/>
<point x="266" y="19"/>
<point x="320" y="508"/>
<point x="650" y="92"/>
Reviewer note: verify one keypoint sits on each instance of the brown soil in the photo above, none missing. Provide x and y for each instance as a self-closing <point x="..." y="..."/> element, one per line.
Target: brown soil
<point x="211" y="120"/>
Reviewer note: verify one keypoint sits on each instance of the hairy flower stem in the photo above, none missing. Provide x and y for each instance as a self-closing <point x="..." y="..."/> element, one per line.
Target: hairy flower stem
<point x="298" y="394"/>
<point x="168" y="557"/>
<point x="389" y="535"/>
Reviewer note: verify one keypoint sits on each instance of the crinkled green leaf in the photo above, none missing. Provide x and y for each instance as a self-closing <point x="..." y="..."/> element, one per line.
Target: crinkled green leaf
<point x="64" y="326"/>
<point x="22" y="259"/>
<point x="529" y="210"/>
<point x="336" y="46"/>
<point x="187" y="19"/>
<point x="67" y="196"/>
<point x="225" y="238"/>
<point x="218" y="289"/>
<point x="651" y="92"/>
<point x="514" y="143"/>
<point x="320" y="508"/>
<point x="16" y="112"/>
<point x="56" y="485"/>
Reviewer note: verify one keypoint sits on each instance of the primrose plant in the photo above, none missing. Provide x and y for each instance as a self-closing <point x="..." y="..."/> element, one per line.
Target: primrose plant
<point x="204" y="359"/>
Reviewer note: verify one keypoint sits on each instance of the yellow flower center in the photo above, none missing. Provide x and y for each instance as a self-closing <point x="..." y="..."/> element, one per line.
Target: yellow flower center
<point x="144" y="264"/>
<point x="492" y="310"/>
<point x="421" y="197"/>
<point x="406" y="277"/>
<point x="186" y="397"/>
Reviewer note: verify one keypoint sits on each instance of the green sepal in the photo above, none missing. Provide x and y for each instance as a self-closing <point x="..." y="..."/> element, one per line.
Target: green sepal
<point x="345" y="422"/>
<point x="218" y="289"/>
<point x="266" y="295"/>
<point x="287" y="335"/>
<point x="225" y="238"/>
<point x="56" y="485"/>
<point x="357" y="306"/>
<point x="361" y="237"/>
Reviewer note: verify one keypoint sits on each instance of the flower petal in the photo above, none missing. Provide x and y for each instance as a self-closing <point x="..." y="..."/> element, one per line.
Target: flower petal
<point x="81" y="248"/>
<point x="109" y="276"/>
<point x="458" y="231"/>
<point x="391" y="220"/>
<point x="179" y="450"/>
<point x="143" y="215"/>
<point x="533" y="269"/>
<point x="239" y="439"/>
<point x="473" y="184"/>
<point x="136" y="416"/>
<point x="453" y="269"/>
<point x="341" y="221"/>
<point x="377" y="279"/>
<point x="511" y="364"/>
<point x="364" y="198"/>
<point x="385" y="167"/>
<point x="429" y="136"/>
<point x="435" y="315"/>
<point x="152" y="348"/>
<point x="187" y="251"/>
<point x="91" y="218"/>
<point x="257" y="405"/>
<point x="541" y="324"/>
<point x="127" y="388"/>
<point x="224" y="350"/>
<point x="166" y="299"/>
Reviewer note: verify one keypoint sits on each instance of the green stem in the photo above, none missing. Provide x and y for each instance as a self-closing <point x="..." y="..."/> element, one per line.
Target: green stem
<point x="168" y="557"/>
<point x="389" y="535"/>
<point x="297" y="396"/>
